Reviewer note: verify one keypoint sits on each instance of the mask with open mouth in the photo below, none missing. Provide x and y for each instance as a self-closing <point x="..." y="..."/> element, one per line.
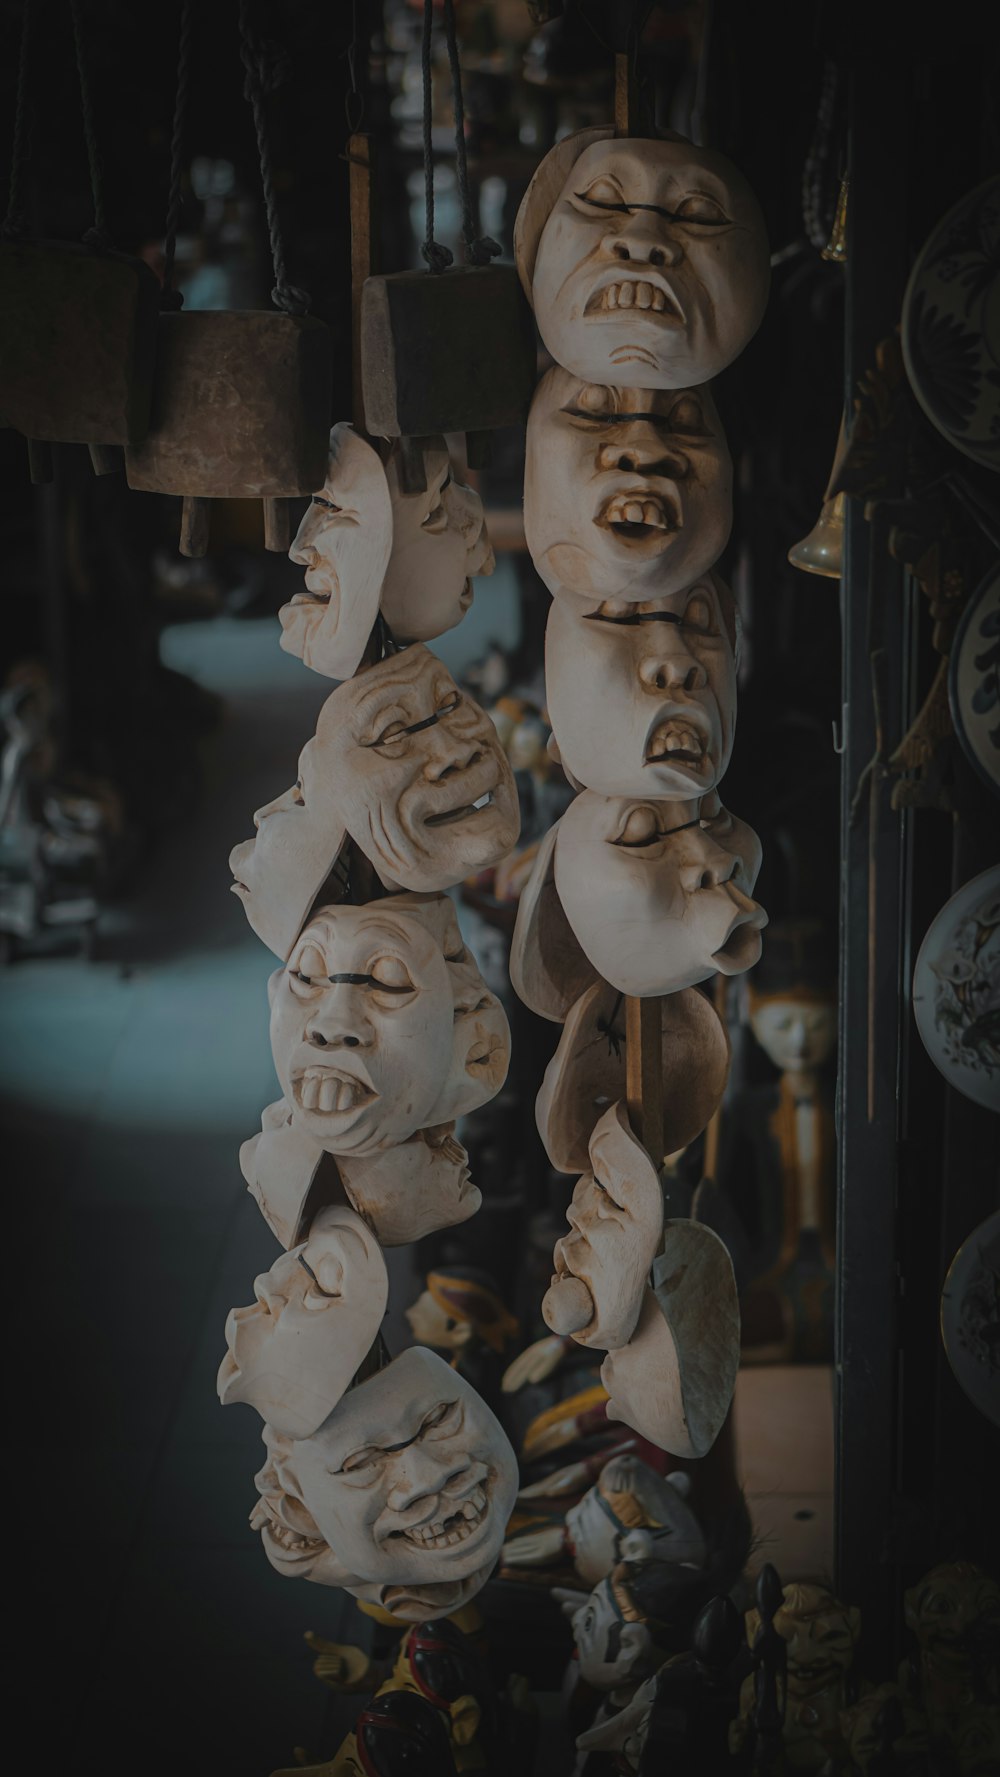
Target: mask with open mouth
<point x="344" y="544"/>
<point x="361" y="1027"/>
<point x="627" y="492"/>
<point x="295" y="1350"/>
<point x="667" y="669"/>
<point x="644" y="260"/>
<point x="657" y="898"/>
<point x="439" y="543"/>
<point x="408" y="1485"/>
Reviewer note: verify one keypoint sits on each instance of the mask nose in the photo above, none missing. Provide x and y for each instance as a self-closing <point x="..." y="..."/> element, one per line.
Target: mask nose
<point x="449" y="754"/>
<point x="642" y="239"/>
<point x="422" y="1472"/>
<point x="644" y="451"/>
<point x="669" y="664"/>
<point x="339" y="1021"/>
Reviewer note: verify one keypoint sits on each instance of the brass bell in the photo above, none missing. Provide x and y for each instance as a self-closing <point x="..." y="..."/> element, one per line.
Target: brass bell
<point x="822" y="550"/>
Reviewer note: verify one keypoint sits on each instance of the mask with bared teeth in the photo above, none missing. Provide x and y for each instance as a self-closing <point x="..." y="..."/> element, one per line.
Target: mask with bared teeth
<point x="344" y="543"/>
<point x="627" y="491"/>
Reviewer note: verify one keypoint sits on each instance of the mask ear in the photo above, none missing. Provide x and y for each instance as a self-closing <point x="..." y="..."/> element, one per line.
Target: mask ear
<point x="465" y="1718"/>
<point x="547" y="966"/>
<point x="636" y="1650"/>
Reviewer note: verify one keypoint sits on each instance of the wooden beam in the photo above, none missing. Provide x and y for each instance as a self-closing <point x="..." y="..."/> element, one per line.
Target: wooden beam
<point x="626" y="98"/>
<point x="644" y="1073"/>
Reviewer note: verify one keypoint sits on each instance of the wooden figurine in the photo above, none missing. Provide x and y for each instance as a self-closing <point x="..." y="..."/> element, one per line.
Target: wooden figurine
<point x="587" y="1072"/>
<point x="439" y="543"/>
<point x="954" y="1614"/>
<point x="616" y="1223"/>
<point x="820" y="1636"/>
<point x="656" y="898"/>
<point x="623" y="1735"/>
<point x="627" y="1496"/>
<point x="361" y="1027"/>
<point x="414" y="1188"/>
<point x="886" y="1732"/>
<point x="461" y="1313"/>
<point x="402" y="1495"/>
<point x="645" y="260"/>
<point x="397" y="1734"/>
<point x="627" y="492"/>
<point x="344" y="543"/>
<point x="642" y="697"/>
<point x="673" y="1382"/>
<point x="241" y="410"/>
<point x="639" y="1615"/>
<point x="294" y="1352"/>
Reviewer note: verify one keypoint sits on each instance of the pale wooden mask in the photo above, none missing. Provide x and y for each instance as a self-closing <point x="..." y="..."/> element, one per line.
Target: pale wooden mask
<point x="587" y="1072"/>
<point x="439" y="543"/>
<point x="361" y="1027"/>
<point x="414" y="1188"/>
<point x="318" y="1310"/>
<point x="657" y="899"/>
<point x="409" y="1483"/>
<point x="673" y="1382"/>
<point x="344" y="544"/>
<point x="645" y="261"/>
<point x="616" y="1223"/>
<point x="627" y="492"/>
<point x="642" y="696"/>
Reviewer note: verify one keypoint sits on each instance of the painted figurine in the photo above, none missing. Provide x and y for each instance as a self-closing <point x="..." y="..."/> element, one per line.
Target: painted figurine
<point x="820" y="1636"/>
<point x="460" y="1312"/>
<point x="628" y="1495"/>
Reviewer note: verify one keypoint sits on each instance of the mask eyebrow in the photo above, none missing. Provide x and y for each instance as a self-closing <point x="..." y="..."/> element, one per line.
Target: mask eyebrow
<point x="360" y="981"/>
<point x="619" y="416"/>
<point x="635" y="618"/>
<point x="428" y="721"/>
<point x="657" y="209"/>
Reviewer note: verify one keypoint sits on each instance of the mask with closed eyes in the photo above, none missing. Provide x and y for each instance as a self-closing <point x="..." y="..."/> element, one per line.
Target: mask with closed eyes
<point x="344" y="544"/>
<point x="627" y="491"/>
<point x="667" y="670"/>
<point x="646" y="261"/>
<point x="439" y="543"/>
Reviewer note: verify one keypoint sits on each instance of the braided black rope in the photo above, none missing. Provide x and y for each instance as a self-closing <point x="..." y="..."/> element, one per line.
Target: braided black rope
<point x="97" y="236"/>
<point x="14" y="223"/>
<point x="169" y="297"/>
<point x="263" y="72"/>
<point x="479" y="250"/>
<point x="820" y="176"/>
<point x="438" y="257"/>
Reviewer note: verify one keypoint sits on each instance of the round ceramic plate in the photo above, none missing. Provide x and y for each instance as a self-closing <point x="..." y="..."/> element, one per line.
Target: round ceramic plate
<point x="951" y="325"/>
<point x="956" y="990"/>
<point x="970" y="1317"/>
<point x="974" y="680"/>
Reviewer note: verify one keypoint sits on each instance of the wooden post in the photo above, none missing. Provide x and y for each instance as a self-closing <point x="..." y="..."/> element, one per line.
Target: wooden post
<point x="644" y="1074"/>
<point x="362" y="255"/>
<point x="626" y="97"/>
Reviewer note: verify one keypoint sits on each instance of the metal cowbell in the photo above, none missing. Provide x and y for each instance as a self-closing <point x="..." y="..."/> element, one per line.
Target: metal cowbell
<point x="241" y="410"/>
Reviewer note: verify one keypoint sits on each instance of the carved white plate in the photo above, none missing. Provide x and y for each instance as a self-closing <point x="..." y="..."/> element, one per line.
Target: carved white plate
<point x="951" y="325"/>
<point x="956" y="990"/>
<point x="970" y="1317"/>
<point x="974" y="680"/>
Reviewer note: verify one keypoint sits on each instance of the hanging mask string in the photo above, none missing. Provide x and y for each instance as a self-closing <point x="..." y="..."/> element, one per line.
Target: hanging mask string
<point x="98" y="235"/>
<point x="262" y="74"/>
<point x="14" y="225"/>
<point x="479" y="250"/>
<point x="438" y="257"/>
<point x="169" y="297"/>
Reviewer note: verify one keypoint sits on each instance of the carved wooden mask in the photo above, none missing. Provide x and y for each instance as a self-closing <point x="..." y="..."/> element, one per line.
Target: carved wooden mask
<point x="642" y="697"/>
<point x="627" y="492"/>
<point x="295" y="1350"/>
<point x="439" y="543"/>
<point x="414" y="1188"/>
<point x="645" y="260"/>
<point x="344" y="544"/>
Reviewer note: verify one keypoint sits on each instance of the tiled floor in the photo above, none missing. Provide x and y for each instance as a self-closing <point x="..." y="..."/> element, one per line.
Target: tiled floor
<point x="154" y="1628"/>
<point x="783" y="1421"/>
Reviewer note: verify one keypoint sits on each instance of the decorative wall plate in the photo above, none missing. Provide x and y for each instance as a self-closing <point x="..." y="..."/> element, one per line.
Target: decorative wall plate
<point x="951" y="325"/>
<point x="974" y="680"/>
<point x="956" y="990"/>
<point x="970" y="1317"/>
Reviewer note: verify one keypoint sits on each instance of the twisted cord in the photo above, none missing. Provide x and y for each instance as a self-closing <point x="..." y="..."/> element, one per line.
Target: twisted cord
<point x="14" y="224"/>
<point x="98" y="235"/>
<point x="264" y="73"/>
<point x="438" y="257"/>
<point x="479" y="250"/>
<point x="169" y="297"/>
<point x="817" y="209"/>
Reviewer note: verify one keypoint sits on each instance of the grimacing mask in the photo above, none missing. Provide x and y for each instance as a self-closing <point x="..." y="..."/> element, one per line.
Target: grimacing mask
<point x="318" y="1310"/>
<point x="643" y="696"/>
<point x="343" y="543"/>
<point x="647" y="264"/>
<point x="627" y="492"/>
<point x="657" y="899"/>
<point x="361" y="1027"/>
<point x="417" y="773"/>
<point x="616" y="1223"/>
<point x="439" y="543"/>
<point x="409" y="1482"/>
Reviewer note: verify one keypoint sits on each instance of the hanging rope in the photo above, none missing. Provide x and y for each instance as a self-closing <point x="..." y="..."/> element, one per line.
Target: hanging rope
<point x="169" y="297"/>
<point x="98" y="235"/>
<point x="264" y="71"/>
<point x="438" y="257"/>
<point x="15" y="226"/>
<point x="479" y="250"/>
<point x="354" y="100"/>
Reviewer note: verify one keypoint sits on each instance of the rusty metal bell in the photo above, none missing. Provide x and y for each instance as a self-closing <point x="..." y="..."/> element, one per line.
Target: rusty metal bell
<point x="241" y="410"/>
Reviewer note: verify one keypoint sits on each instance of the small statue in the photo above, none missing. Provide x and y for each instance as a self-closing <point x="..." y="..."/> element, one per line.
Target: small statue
<point x="818" y="1636"/>
<point x="885" y="1734"/>
<point x="397" y="1735"/>
<point x="641" y="1614"/>
<point x="627" y="1496"/>
<point x="461" y="1312"/>
<point x="954" y="1613"/>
